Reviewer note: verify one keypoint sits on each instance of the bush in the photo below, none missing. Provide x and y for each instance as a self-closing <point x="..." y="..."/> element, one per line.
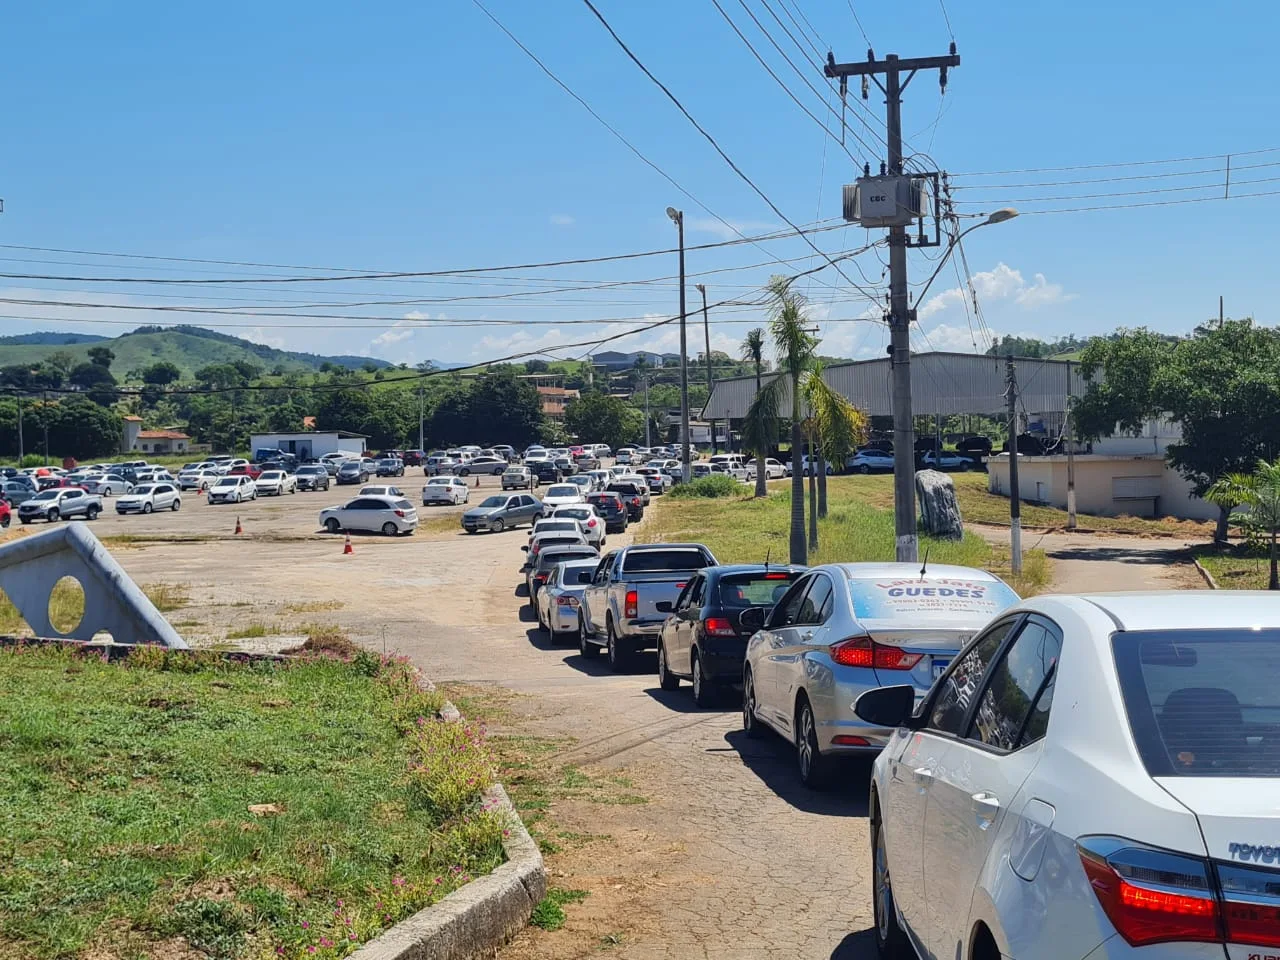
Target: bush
<point x="719" y="485"/>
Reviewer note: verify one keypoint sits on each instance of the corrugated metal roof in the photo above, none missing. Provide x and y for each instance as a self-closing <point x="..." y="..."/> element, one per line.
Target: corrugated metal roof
<point x="941" y="383"/>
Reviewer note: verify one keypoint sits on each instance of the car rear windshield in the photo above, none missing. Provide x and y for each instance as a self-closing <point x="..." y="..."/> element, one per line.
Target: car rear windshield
<point x="403" y="505"/>
<point x="562" y="490"/>
<point x="560" y="556"/>
<point x="754" y="589"/>
<point x="1202" y="703"/>
<point x="662" y="561"/>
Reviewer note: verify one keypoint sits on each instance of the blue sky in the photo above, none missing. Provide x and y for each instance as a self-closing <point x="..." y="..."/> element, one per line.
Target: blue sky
<point x="406" y="136"/>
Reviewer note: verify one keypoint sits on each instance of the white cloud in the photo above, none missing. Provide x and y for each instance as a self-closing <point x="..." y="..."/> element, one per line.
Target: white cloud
<point x="258" y="335"/>
<point x="1042" y="292"/>
<point x="562" y="220"/>
<point x="729" y="229"/>
<point x="1001" y="283"/>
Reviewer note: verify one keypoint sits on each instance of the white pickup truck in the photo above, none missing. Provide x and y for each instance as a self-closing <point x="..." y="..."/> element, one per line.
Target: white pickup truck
<point x="619" y="609"/>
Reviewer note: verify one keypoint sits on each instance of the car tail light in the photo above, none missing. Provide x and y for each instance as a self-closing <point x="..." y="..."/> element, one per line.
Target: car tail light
<point x="865" y="652"/>
<point x="635" y="501"/>
<point x="632" y="604"/>
<point x="719" y="627"/>
<point x="566" y="601"/>
<point x="591" y="524"/>
<point x="540" y="578"/>
<point x="399" y="513"/>
<point x="1150" y="895"/>
<point x="777" y="576"/>
<point x="844" y="740"/>
<point x="1250" y="905"/>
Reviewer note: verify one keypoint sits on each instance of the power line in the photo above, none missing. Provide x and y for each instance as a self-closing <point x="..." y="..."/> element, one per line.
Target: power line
<point x="712" y="140"/>
<point x="1152" y="203"/>
<point x="1130" y="193"/>
<point x="943" y="5"/>
<point x="1091" y="180"/>
<point x="861" y="28"/>
<point x="1124" y="163"/>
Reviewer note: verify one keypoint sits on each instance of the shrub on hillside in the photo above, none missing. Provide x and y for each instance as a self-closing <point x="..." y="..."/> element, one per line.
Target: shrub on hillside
<point x="716" y="486"/>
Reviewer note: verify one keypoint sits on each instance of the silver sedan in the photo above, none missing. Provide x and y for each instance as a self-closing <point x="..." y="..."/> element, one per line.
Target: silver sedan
<point x="846" y="628"/>
<point x="106" y="484"/>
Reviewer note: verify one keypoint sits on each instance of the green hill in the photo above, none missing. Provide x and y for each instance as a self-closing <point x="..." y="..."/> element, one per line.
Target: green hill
<point x="190" y="348"/>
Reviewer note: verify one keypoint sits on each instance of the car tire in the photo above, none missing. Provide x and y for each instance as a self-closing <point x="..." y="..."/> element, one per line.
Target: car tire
<point x="964" y="466"/>
<point x="5" y="521"/>
<point x="890" y="938"/>
<point x="666" y="679"/>
<point x="497" y="526"/>
<point x="24" y="520"/>
<point x="813" y="767"/>
<point x="464" y="472"/>
<point x="146" y="508"/>
<point x="332" y="525"/>
<point x="53" y="515"/>
<point x="619" y="653"/>
<point x="864" y="469"/>
<point x="586" y="648"/>
<point x="389" y="529"/>
<point x="750" y="725"/>
<point x="106" y="491"/>
<point x="91" y="513"/>
<point x="177" y="505"/>
<point x="704" y="691"/>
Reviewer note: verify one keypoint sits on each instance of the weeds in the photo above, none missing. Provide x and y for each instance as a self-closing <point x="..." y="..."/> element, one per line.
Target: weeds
<point x="717" y="486"/>
<point x="549" y="913"/>
<point x="167" y="597"/>
<point x="252" y="630"/>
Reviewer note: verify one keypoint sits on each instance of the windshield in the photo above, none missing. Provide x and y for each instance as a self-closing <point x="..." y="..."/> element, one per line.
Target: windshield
<point x="441" y="482"/>
<point x="1202" y="703"/>
<point x="493" y="502"/>
<point x="547" y="526"/>
<point x="272" y="475"/>
<point x="576" y="513"/>
<point x="562" y="490"/>
<point x="144" y="489"/>
<point x="227" y="482"/>
<point x="47" y="495"/>
<point x="386" y="463"/>
<point x="311" y="470"/>
<point x="741" y="590"/>
<point x="552" y="557"/>
<point x="661" y="561"/>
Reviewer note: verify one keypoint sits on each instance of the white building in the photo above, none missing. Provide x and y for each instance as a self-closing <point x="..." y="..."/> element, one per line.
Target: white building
<point x="311" y="444"/>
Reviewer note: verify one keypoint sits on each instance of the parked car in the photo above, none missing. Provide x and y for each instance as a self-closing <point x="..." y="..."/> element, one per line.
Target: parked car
<point x="505" y="451"/>
<point x="276" y="483"/>
<point x="869" y="459"/>
<point x="549" y="524"/>
<point x="566" y="465"/>
<point x="6" y="514"/>
<point x="381" y="514"/>
<point x="809" y="464"/>
<point x="557" y="533"/>
<point x="558" y="600"/>
<point x="641" y="484"/>
<point x="197" y="480"/>
<point x="1092" y="777"/>
<point x="439" y="466"/>
<point x="390" y="467"/>
<point x="586" y="460"/>
<point x="703" y="640"/>
<point x="620" y="607"/>
<point x="61" y="504"/>
<point x="15" y="493"/>
<point x="845" y="628"/>
<point x="546" y="471"/>
<point x="773" y="470"/>
<point x="312" y="476"/>
<point x="449" y="490"/>
<point x="233" y="488"/>
<point x="611" y="509"/>
<point x="518" y="478"/>
<point x="500" y="512"/>
<point x="353" y="471"/>
<point x="631" y="495"/>
<point x="947" y="460"/>
<point x="381" y="490"/>
<point x="148" y="497"/>
<point x="655" y="479"/>
<point x="105" y="484"/>
<point x="551" y="557"/>
<point x="974" y="447"/>
<point x="592" y="524"/>
<point x="599" y="478"/>
<point x="489" y="466"/>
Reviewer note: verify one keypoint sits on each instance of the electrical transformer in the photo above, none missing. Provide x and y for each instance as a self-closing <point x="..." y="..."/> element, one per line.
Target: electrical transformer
<point x="885" y="201"/>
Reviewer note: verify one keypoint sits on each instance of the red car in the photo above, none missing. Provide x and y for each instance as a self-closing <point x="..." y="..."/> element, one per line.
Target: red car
<point x="252" y="471"/>
<point x="5" y="514"/>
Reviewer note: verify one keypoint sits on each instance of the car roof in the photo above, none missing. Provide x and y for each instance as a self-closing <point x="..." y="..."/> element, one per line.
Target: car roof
<point x="878" y="571"/>
<point x="738" y="568"/>
<point x="1170" y="609"/>
<point x="388" y="498"/>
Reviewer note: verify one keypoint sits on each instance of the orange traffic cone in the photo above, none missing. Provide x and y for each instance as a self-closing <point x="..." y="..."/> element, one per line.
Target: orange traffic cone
<point x="239" y="529"/>
<point x="347" y="546"/>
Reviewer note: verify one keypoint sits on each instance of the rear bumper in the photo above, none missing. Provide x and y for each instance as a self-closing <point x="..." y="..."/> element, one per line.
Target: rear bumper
<point x="722" y="660"/>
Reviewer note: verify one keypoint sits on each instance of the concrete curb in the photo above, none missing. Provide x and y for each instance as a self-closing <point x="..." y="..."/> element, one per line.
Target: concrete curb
<point x="475" y="920"/>
<point x="1208" y="577"/>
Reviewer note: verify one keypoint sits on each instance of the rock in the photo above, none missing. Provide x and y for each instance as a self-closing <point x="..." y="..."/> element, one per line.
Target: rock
<point x="939" y="508"/>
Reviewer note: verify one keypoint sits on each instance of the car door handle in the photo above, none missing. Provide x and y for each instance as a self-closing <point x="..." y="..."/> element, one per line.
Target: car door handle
<point x="922" y="776"/>
<point x="806" y="637"/>
<point x="985" y="805"/>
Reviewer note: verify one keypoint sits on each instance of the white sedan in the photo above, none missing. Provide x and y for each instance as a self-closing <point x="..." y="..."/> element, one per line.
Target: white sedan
<point x="197" y="480"/>
<point x="388" y="515"/>
<point x="773" y="470"/>
<point x="274" y="483"/>
<point x="148" y="497"/>
<point x="233" y="489"/>
<point x="591" y="523"/>
<point x="106" y="484"/>
<point x="561" y="494"/>
<point x="1093" y="777"/>
<point x="449" y="490"/>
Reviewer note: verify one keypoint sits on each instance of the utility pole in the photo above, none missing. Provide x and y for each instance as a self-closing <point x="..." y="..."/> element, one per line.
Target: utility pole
<point x="20" y="450"/>
<point x="900" y="313"/>
<point x="677" y="217"/>
<point x="706" y="332"/>
<point x="1015" y="503"/>
<point x="648" y="440"/>
<point x="44" y="415"/>
<point x="1071" y="458"/>
<point x="421" y="415"/>
<point x="1221" y="319"/>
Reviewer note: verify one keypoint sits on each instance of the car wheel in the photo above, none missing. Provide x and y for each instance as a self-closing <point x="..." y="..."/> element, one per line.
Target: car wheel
<point x="5" y="521"/>
<point x="390" y="529"/>
<point x="750" y="725"/>
<point x="91" y="513"/>
<point x="177" y="505"/>
<point x="704" y="691"/>
<point x="146" y="508"/>
<point x="864" y="469"/>
<point x="53" y="515"/>
<point x="890" y="939"/>
<point x="24" y="520"/>
<point x="497" y="525"/>
<point x="464" y="472"/>
<point x="964" y="466"/>
<point x="585" y="646"/>
<point x="106" y="491"/>
<point x="619" y="654"/>
<point x="332" y="525"/>
<point x="814" y="767"/>
<point x="666" y="679"/>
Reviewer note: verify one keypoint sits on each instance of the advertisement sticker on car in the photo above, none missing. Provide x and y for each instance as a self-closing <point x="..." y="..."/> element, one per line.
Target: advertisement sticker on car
<point x="933" y="598"/>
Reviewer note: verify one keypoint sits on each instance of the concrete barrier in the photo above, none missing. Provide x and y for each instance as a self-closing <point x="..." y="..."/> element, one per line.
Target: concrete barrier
<point x="30" y="567"/>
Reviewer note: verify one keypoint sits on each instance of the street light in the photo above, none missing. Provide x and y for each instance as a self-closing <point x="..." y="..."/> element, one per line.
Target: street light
<point x="677" y="217"/>
<point x="999" y="216"/>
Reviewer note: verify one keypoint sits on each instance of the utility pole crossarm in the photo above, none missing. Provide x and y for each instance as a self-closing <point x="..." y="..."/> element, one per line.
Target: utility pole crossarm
<point x="871" y="67"/>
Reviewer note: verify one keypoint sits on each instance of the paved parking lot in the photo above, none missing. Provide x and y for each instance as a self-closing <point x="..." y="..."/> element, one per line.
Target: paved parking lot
<point x="728" y="857"/>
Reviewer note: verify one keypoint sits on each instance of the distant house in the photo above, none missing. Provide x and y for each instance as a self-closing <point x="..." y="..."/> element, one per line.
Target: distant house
<point x="129" y="436"/>
<point x="555" y="400"/>
<point x="311" y="444"/>
<point x="613" y="360"/>
<point x="162" y="441"/>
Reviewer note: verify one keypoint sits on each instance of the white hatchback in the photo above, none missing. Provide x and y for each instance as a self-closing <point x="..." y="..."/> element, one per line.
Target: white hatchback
<point x="148" y="497"/>
<point x="561" y="494"/>
<point x="388" y="515"/>
<point x="1092" y="777"/>
<point x="445" y="490"/>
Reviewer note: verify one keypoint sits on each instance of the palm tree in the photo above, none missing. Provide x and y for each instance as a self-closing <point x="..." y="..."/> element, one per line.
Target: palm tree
<point x="1225" y="494"/>
<point x="1260" y="492"/>
<point x="753" y="352"/>
<point x="838" y="428"/>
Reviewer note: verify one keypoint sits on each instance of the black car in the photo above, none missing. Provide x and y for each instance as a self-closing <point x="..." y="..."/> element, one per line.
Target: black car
<point x="612" y="510"/>
<point x="703" y="640"/>
<point x="631" y="496"/>
<point x="546" y="471"/>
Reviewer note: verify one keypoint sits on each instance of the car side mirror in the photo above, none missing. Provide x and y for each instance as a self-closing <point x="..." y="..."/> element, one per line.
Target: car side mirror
<point x="886" y="706"/>
<point x="753" y="618"/>
<point x="525" y="548"/>
<point x="664" y="606"/>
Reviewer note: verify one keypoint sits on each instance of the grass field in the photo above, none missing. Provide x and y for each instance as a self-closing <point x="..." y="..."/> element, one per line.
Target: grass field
<point x="857" y="528"/>
<point x="1237" y="568"/>
<point x="181" y="807"/>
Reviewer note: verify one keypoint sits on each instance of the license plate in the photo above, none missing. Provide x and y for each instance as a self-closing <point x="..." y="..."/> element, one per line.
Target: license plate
<point x="940" y="667"/>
